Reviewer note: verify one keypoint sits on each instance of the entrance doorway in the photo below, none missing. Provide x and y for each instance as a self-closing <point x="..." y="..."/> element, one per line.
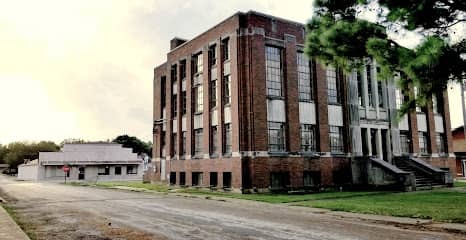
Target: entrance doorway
<point x="81" y="174"/>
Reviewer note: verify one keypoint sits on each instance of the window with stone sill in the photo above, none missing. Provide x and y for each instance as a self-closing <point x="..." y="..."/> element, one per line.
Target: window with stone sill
<point x="197" y="63"/>
<point x="333" y="86"/>
<point x="212" y="55"/>
<point x="198" y="99"/>
<point x="213" y="140"/>
<point x="369" y="85"/>
<point x="336" y="139"/>
<point x="274" y="73"/>
<point x="183" y="69"/>
<point x="404" y="142"/>
<point x="276" y="136"/>
<point x="198" y="151"/>
<point x="226" y="49"/>
<point x="304" y="78"/>
<point x="423" y="143"/>
<point x="227" y="89"/>
<point x="440" y="141"/>
<point x="308" y="138"/>
<point x="183" y="143"/>
<point x="213" y="94"/>
<point x="227" y="137"/>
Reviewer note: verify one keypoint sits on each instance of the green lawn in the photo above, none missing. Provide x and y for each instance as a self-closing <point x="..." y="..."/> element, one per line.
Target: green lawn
<point x="460" y="184"/>
<point x="147" y="186"/>
<point x="440" y="205"/>
<point x="281" y="198"/>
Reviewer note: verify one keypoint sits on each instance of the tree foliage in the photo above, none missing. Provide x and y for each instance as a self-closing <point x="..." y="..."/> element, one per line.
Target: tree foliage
<point x="3" y="152"/>
<point x="17" y="152"/>
<point x="136" y="144"/>
<point x="337" y="35"/>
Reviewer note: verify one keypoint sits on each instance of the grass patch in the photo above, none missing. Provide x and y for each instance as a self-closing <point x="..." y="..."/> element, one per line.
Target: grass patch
<point x="28" y="228"/>
<point x="280" y="198"/>
<point x="139" y="185"/>
<point x="459" y="184"/>
<point x="439" y="205"/>
<point x="445" y="205"/>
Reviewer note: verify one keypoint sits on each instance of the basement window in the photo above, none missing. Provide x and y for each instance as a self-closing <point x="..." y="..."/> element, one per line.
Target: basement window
<point x="213" y="179"/>
<point x="226" y="179"/>
<point x="196" y="178"/>
<point x="173" y="178"/>
<point x="182" y="178"/>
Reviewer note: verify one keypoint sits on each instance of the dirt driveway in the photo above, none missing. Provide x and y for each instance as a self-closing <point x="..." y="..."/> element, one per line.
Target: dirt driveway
<point x="57" y="211"/>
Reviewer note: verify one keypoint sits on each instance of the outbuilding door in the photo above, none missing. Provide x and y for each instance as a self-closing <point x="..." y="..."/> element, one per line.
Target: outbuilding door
<point x="81" y="174"/>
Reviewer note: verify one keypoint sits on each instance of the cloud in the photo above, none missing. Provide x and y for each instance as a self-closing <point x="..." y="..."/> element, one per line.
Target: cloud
<point x="83" y="69"/>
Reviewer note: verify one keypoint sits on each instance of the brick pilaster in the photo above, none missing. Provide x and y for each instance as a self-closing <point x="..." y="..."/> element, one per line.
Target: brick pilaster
<point x="322" y="107"/>
<point x="291" y="90"/>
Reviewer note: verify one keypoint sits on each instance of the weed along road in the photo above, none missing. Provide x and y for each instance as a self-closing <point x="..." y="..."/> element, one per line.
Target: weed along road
<point x="58" y="211"/>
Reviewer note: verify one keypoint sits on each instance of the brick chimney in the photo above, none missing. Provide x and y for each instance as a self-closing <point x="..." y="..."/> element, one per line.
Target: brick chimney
<point x="176" y="41"/>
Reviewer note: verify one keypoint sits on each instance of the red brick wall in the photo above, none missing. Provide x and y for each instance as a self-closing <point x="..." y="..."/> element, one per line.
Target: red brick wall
<point x="261" y="167"/>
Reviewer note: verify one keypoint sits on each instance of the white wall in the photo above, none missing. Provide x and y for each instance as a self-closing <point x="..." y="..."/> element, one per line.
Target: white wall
<point x="28" y="172"/>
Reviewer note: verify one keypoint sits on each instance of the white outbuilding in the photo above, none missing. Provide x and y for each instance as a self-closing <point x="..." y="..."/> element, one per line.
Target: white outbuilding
<point x="86" y="162"/>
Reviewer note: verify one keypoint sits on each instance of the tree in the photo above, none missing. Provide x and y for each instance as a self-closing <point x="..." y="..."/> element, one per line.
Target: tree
<point x="338" y="35"/>
<point x="19" y="151"/>
<point x="3" y="152"/>
<point x="136" y="144"/>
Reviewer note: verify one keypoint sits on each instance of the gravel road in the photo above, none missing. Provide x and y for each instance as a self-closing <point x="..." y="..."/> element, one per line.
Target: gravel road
<point x="57" y="211"/>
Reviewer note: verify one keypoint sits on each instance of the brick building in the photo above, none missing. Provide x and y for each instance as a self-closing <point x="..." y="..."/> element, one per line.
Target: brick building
<point x="241" y="106"/>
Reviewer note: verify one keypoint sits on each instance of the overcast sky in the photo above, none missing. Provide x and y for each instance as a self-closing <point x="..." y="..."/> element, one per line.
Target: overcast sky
<point x="83" y="69"/>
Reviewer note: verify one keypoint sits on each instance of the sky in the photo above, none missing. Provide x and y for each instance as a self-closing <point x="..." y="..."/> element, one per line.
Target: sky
<point x="83" y="69"/>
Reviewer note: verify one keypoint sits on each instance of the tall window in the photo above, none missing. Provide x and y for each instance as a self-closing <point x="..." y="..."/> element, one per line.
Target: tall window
<point x="174" y="75"/>
<point x="380" y="94"/>
<point x="273" y="71"/>
<point x="162" y="144"/>
<point x="197" y="142"/>
<point x="336" y="139"/>
<point x="404" y="142"/>
<point x="437" y="103"/>
<point x="440" y="140"/>
<point x="360" y="89"/>
<point x="423" y="142"/>
<point x="227" y="136"/>
<point x="399" y="98"/>
<point x="418" y="107"/>
<point x="183" y="102"/>
<point x="226" y="49"/>
<point x="304" y="78"/>
<point x="369" y="85"/>
<point x="183" y="69"/>
<point x="308" y="138"/>
<point x="183" y="143"/>
<point x="198" y="99"/>
<point x="227" y="89"/>
<point x="213" y="140"/>
<point x="212" y="55"/>
<point x="213" y="94"/>
<point x="175" y="144"/>
<point x="163" y="82"/>
<point x="174" y="105"/>
<point x="197" y="63"/>
<point x="276" y="136"/>
<point x="333" y="88"/>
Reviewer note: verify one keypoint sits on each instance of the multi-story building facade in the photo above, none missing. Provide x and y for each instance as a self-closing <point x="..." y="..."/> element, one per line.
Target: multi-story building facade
<point x="241" y="106"/>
